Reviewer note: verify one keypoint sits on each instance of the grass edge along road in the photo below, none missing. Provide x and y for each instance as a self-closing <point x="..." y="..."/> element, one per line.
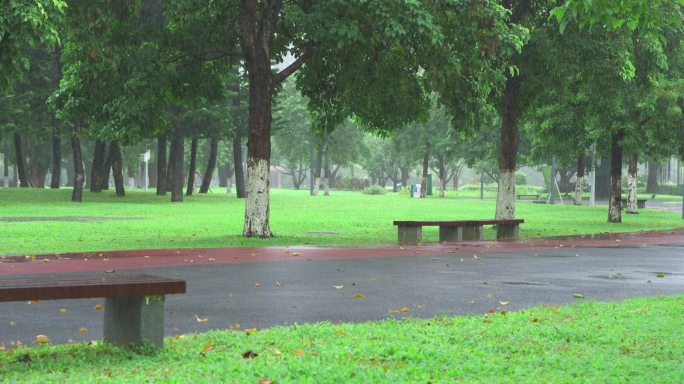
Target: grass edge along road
<point x="637" y="340"/>
<point x="145" y="221"/>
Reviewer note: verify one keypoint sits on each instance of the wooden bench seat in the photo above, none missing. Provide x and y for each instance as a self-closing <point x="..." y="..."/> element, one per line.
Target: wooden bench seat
<point x="412" y="231"/>
<point x="134" y="304"/>
<point x="530" y="196"/>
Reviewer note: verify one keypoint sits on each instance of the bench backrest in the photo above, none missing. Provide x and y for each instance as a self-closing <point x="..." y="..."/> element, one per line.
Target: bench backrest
<point x="418" y="223"/>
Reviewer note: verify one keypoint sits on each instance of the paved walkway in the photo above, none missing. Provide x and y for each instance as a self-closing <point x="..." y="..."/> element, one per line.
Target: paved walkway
<point x="263" y="287"/>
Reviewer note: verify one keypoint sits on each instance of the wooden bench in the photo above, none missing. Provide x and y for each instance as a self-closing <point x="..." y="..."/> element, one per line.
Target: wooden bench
<point x="531" y="196"/>
<point x="641" y="203"/>
<point x="134" y="304"/>
<point x="412" y="231"/>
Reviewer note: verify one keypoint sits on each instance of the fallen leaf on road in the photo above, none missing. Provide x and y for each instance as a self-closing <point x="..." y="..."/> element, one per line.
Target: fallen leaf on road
<point x="660" y="275"/>
<point x="578" y="296"/>
<point x="83" y="329"/>
<point x="295" y="253"/>
<point x="648" y="281"/>
<point x="359" y="296"/>
<point x="404" y="309"/>
<point x="504" y="302"/>
<point x="277" y="284"/>
<point x="98" y="307"/>
<point x="201" y="319"/>
<point x="109" y="271"/>
<point x="338" y="286"/>
<point x="62" y="310"/>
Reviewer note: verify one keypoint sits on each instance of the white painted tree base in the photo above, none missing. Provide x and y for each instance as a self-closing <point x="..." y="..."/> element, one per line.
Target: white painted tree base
<point x="317" y="186"/>
<point x="505" y="198"/>
<point x="578" y="190"/>
<point x="632" y="193"/>
<point x="257" y="204"/>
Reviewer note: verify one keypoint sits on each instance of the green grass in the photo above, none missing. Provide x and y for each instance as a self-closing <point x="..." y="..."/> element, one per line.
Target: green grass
<point x="637" y="341"/>
<point x="216" y="220"/>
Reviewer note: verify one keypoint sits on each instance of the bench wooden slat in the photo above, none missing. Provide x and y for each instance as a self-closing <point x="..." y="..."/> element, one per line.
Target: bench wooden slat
<point x="78" y="287"/>
<point x="417" y="223"/>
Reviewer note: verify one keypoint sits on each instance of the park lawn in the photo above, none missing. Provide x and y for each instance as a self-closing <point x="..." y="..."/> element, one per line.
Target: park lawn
<point x="639" y="340"/>
<point x="216" y="220"/>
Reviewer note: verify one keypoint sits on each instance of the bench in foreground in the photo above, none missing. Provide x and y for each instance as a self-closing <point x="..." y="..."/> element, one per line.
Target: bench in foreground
<point x="412" y="231"/>
<point x="134" y="304"/>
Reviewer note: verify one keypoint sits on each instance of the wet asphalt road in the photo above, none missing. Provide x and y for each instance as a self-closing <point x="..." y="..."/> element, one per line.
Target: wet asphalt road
<point x="272" y="293"/>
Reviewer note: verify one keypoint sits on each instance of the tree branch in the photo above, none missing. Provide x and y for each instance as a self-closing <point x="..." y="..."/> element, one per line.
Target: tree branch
<point x="292" y="68"/>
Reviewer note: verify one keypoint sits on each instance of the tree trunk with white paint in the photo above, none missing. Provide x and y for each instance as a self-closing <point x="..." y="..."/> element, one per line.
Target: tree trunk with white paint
<point x="505" y="202"/>
<point x="632" y="185"/>
<point x="615" y="203"/>
<point x="326" y="178"/>
<point x="508" y="149"/>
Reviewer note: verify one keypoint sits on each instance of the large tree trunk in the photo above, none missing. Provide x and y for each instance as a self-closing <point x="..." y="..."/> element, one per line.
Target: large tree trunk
<point x="97" y="166"/>
<point x="632" y="185"/>
<point x="615" y="204"/>
<point x="20" y="161"/>
<point x="508" y="149"/>
<point x="106" y="169"/>
<point x="211" y="165"/>
<point x="56" y="170"/>
<point x="162" y="180"/>
<point x="652" y="181"/>
<point x="79" y="173"/>
<point x="117" y="168"/>
<point x="580" y="180"/>
<point x="176" y="164"/>
<point x="240" y="188"/>
<point x="5" y="168"/>
<point x="442" y="175"/>
<point x="326" y="177"/>
<point x="192" y="168"/>
<point x="424" y="180"/>
<point x="404" y="175"/>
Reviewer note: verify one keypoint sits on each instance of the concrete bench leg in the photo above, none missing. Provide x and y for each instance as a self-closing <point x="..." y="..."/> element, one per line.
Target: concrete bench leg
<point x="132" y="319"/>
<point x="507" y="231"/>
<point x="450" y="234"/>
<point x="410" y="234"/>
<point x="641" y="204"/>
<point x="473" y="232"/>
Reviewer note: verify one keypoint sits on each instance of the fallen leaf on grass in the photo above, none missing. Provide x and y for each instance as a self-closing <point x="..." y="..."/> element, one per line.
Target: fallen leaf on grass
<point x="201" y="319"/>
<point x="577" y="296"/>
<point x="208" y="347"/>
<point x="359" y="296"/>
<point x="338" y="286"/>
<point x="42" y="339"/>
<point x="249" y="355"/>
<point x="265" y="381"/>
<point x="298" y="352"/>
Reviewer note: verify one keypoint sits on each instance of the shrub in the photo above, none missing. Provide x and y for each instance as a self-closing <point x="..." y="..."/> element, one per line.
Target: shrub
<point x="520" y="178"/>
<point x="375" y="190"/>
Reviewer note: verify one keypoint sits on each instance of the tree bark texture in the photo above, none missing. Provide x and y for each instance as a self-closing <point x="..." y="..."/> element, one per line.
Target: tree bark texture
<point x="326" y="178"/>
<point x="615" y="204"/>
<point x="5" y="168"/>
<point x="20" y="161"/>
<point x="162" y="180"/>
<point x="106" y="169"/>
<point x="424" y="180"/>
<point x="652" y="180"/>
<point x="56" y="169"/>
<point x="192" y="168"/>
<point x="97" y="166"/>
<point x="580" y="180"/>
<point x="79" y="173"/>
<point x="176" y="164"/>
<point x="632" y="185"/>
<point x="117" y="168"/>
<point x="508" y="149"/>
<point x="442" y="175"/>
<point x="211" y="166"/>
